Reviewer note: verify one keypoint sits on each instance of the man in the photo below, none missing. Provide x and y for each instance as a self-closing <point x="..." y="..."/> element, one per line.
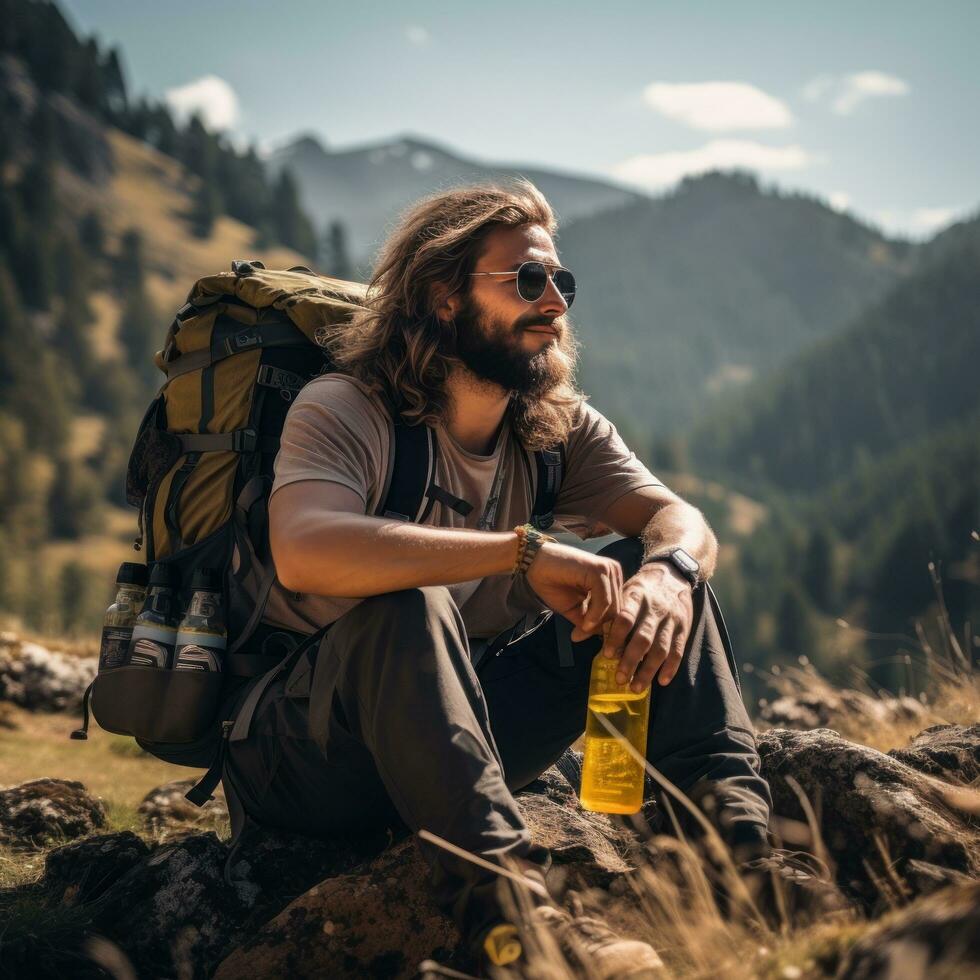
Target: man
<point x="402" y="725"/>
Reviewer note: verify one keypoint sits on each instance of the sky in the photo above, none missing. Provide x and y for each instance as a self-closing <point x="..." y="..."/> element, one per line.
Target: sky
<point x="871" y="105"/>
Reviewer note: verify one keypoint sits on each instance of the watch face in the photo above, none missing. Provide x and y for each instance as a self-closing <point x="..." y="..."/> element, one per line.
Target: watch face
<point x="682" y="558"/>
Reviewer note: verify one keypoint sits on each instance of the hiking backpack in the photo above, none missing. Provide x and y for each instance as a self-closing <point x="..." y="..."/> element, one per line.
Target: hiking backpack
<point x="200" y="474"/>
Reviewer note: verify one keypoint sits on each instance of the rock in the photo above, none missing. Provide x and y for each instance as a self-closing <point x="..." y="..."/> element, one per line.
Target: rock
<point x="166" y="808"/>
<point x="172" y="913"/>
<point x="876" y="814"/>
<point x="40" y="679"/>
<point x="362" y="905"/>
<point x="936" y="937"/>
<point x="827" y="707"/>
<point x="950" y="752"/>
<point x="82" y="872"/>
<point x="379" y="921"/>
<point x="36" y="812"/>
<point x="280" y="866"/>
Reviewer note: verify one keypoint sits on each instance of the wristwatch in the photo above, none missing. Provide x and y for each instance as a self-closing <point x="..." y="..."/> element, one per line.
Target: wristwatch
<point x="682" y="561"/>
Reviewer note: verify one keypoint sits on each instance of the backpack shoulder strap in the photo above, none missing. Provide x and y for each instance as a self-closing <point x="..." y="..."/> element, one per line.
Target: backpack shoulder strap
<point x="412" y="458"/>
<point x="410" y="486"/>
<point x="551" y="468"/>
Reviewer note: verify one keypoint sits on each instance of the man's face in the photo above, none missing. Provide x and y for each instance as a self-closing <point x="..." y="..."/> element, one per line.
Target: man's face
<point x="523" y="347"/>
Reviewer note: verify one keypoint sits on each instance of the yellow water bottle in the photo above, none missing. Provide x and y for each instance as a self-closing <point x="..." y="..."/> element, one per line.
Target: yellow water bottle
<point x="612" y="779"/>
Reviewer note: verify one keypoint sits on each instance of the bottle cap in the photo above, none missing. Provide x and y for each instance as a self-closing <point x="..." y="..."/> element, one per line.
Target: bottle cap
<point x="131" y="573"/>
<point x="205" y="579"/>
<point x="164" y="574"/>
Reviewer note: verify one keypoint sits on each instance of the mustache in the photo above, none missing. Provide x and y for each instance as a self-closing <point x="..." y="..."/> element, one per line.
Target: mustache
<point x="555" y="323"/>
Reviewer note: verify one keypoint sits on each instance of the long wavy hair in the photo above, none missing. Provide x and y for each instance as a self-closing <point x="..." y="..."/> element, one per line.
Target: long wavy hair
<point x="398" y="347"/>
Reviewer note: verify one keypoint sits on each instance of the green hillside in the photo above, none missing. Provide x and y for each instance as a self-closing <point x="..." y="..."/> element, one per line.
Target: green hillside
<point x="902" y="370"/>
<point x="710" y="287"/>
<point x="866" y="451"/>
<point x="108" y="211"/>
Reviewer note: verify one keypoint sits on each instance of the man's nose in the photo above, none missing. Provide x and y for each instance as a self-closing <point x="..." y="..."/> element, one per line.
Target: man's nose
<point x="552" y="300"/>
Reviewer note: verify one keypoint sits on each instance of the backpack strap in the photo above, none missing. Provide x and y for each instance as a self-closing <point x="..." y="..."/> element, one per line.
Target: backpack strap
<point x="411" y="490"/>
<point x="413" y="451"/>
<point x="551" y="468"/>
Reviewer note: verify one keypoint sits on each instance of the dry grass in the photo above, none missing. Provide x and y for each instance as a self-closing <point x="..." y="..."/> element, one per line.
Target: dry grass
<point x="672" y="899"/>
<point x="110" y="766"/>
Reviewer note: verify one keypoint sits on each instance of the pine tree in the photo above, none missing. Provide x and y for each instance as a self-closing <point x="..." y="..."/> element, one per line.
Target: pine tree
<point x="207" y="207"/>
<point x="75" y="586"/>
<point x="793" y="628"/>
<point x="197" y="148"/>
<point x="292" y="227"/>
<point x="335" y="256"/>
<point x="114" y="84"/>
<point x="129" y="266"/>
<point x="819" y="573"/>
<point x="139" y="335"/>
<point x="91" y="234"/>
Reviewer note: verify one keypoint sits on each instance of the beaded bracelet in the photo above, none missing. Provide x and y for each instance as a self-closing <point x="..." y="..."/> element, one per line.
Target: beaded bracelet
<point x="529" y="541"/>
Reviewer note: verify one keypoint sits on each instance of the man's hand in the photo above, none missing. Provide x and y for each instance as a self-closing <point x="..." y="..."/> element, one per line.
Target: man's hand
<point x="584" y="588"/>
<point x="651" y="628"/>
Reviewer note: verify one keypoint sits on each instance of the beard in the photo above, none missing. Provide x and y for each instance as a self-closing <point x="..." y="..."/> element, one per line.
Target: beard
<point x="492" y="352"/>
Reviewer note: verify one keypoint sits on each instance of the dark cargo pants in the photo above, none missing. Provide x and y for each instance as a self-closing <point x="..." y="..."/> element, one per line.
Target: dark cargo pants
<point x="395" y="728"/>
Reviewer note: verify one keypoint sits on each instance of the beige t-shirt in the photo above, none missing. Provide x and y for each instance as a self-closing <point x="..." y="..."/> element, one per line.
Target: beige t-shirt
<point x="337" y="432"/>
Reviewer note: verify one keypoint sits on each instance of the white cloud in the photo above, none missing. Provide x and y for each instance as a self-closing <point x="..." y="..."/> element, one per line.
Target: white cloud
<point x="847" y="92"/>
<point x="658" y="170"/>
<point x="417" y="34"/>
<point x="718" y="106"/>
<point x="211" y="97"/>
<point x="839" y="200"/>
<point x="916" y="222"/>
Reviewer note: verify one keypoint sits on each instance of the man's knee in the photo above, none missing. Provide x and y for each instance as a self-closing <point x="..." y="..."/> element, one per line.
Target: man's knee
<point x="628" y="552"/>
<point x="404" y="610"/>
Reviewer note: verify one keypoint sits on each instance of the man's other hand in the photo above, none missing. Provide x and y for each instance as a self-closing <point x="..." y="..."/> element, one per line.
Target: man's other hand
<point x="651" y="628"/>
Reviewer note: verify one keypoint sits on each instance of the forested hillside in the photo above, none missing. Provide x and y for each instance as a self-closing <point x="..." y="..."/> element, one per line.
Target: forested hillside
<point x="905" y="368"/>
<point x="711" y="287"/>
<point x="108" y="211"/>
<point x="867" y="450"/>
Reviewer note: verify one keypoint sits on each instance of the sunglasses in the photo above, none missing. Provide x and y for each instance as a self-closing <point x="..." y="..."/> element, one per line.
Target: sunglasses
<point x="532" y="281"/>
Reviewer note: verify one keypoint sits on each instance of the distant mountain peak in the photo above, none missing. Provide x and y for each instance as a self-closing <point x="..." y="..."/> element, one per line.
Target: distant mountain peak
<point x="308" y="144"/>
<point x="741" y="183"/>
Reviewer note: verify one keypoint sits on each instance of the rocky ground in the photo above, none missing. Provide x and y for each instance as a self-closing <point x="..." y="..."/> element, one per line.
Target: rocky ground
<point x="879" y="875"/>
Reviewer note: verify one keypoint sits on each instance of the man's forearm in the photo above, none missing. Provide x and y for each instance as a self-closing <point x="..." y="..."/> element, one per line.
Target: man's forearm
<point x="341" y="554"/>
<point x="679" y="525"/>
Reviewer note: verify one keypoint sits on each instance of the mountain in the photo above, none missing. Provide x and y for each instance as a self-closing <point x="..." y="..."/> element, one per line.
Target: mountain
<point x="365" y="188"/>
<point x="680" y="297"/>
<point x="712" y="286"/>
<point x="905" y="368"/>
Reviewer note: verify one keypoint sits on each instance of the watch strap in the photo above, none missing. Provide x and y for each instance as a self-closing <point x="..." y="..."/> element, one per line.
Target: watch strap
<point x="693" y="576"/>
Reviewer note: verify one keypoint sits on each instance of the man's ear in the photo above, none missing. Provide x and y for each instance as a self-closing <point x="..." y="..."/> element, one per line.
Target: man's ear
<point x="445" y="304"/>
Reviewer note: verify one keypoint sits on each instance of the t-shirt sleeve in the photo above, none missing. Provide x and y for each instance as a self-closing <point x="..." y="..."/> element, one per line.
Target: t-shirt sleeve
<point x="599" y="469"/>
<point x="335" y="432"/>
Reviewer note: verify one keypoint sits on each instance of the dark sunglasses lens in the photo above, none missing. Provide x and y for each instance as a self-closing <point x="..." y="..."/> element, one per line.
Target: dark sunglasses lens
<point x="532" y="278"/>
<point x="565" y="284"/>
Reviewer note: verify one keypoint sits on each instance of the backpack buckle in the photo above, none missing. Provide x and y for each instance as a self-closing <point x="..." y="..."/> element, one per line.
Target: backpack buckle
<point x="276" y="377"/>
<point x="243" y="341"/>
<point x="244" y="440"/>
